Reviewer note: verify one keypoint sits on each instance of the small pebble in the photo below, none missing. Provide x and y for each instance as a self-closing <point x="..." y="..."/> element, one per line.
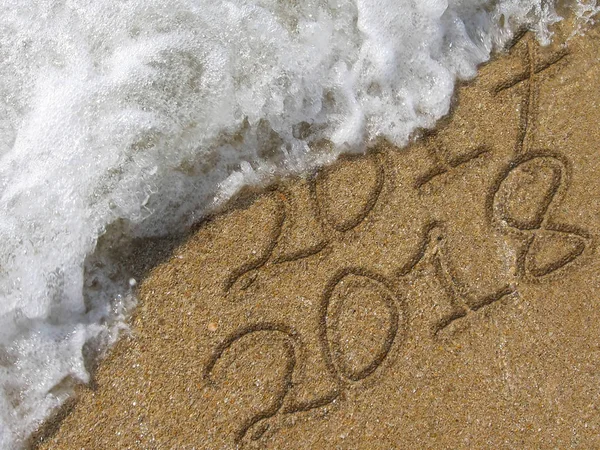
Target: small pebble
<point x="212" y="326"/>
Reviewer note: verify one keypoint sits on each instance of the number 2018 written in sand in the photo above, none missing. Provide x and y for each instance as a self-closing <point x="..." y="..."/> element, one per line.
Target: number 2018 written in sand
<point x="361" y="313"/>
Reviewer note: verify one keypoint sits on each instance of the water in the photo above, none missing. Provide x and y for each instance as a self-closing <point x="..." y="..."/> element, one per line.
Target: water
<point x="134" y="118"/>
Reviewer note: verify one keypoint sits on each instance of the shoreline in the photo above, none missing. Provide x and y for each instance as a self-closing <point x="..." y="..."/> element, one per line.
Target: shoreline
<point x="326" y="217"/>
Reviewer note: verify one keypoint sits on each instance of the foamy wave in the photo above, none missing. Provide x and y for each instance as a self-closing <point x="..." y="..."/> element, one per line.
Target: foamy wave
<point x="133" y="119"/>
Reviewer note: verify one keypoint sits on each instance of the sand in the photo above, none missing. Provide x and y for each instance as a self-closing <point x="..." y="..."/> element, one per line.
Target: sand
<point x="445" y="295"/>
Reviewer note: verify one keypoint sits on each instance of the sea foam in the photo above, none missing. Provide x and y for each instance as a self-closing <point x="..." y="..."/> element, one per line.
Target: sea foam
<point x="133" y="119"/>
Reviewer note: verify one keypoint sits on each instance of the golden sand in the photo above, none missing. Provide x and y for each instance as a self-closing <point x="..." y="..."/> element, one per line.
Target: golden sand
<point x="446" y="295"/>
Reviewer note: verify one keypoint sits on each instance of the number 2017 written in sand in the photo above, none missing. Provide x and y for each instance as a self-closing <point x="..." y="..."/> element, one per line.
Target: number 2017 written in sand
<point x="361" y="312"/>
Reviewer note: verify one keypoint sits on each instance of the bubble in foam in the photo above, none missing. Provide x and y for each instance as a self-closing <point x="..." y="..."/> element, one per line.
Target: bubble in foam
<point x="122" y="120"/>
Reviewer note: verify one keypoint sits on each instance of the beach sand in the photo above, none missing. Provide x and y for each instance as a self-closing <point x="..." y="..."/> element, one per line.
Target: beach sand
<point x="445" y="295"/>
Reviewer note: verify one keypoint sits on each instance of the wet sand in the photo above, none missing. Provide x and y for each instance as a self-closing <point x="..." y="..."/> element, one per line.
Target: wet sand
<point x="445" y="295"/>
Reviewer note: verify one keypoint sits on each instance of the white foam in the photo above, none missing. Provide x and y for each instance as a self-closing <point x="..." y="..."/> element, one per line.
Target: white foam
<point x="131" y="119"/>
